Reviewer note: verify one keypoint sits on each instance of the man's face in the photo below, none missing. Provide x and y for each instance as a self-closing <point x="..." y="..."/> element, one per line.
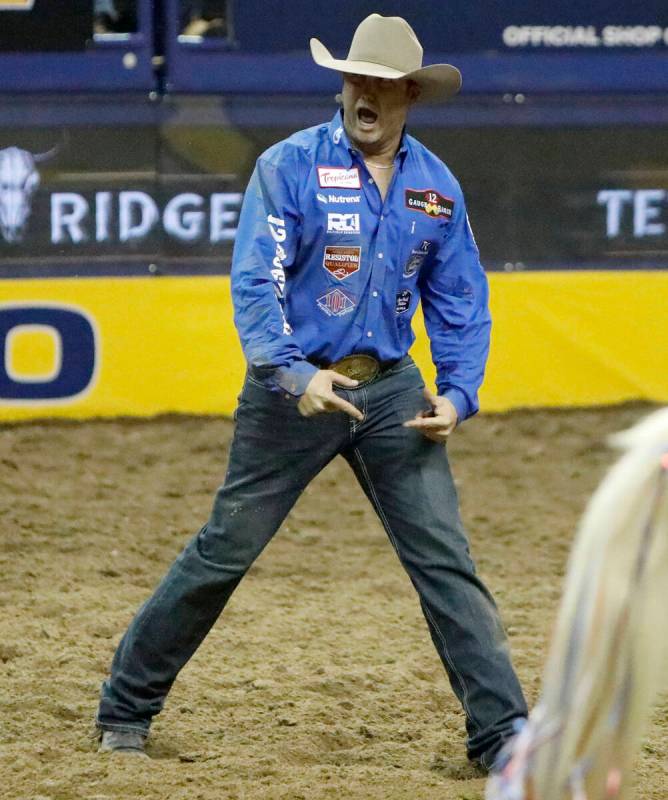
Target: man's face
<point x="374" y="110"/>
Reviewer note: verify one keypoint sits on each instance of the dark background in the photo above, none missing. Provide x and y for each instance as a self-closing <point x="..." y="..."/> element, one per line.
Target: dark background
<point x="533" y="137"/>
<point x="51" y="25"/>
<point x="531" y="191"/>
<point x="455" y="26"/>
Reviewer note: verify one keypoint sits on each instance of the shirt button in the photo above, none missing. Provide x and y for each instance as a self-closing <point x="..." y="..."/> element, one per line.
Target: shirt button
<point x="370" y="180"/>
<point x="382" y="217"/>
<point x="369" y="334"/>
<point x="375" y="294"/>
<point x="380" y="255"/>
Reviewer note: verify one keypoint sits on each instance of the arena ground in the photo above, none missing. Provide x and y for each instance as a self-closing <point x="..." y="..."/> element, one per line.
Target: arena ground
<point x="321" y="680"/>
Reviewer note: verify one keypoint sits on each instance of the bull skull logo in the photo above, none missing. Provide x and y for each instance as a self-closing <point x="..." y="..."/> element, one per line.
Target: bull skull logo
<point x="19" y="180"/>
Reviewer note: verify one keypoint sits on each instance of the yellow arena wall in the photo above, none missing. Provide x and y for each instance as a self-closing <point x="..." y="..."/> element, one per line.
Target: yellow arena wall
<point x="168" y="344"/>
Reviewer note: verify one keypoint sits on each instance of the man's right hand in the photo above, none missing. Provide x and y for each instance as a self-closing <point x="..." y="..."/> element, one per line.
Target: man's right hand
<point x="320" y="398"/>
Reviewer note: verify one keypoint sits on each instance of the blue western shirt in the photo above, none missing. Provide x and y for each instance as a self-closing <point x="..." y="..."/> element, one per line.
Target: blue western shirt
<point x="324" y="268"/>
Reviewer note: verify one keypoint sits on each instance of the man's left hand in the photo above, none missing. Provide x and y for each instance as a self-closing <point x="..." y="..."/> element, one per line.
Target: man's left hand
<point x="438" y="423"/>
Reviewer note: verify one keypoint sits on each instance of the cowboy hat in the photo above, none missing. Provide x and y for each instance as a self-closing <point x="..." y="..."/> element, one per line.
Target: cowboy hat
<point x="387" y="47"/>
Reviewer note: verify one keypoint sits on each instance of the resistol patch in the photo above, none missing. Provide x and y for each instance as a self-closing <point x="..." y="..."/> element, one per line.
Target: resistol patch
<point x="341" y="261"/>
<point x="430" y="202"/>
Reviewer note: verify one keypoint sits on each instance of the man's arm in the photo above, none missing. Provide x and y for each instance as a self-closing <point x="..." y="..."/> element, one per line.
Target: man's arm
<point x="454" y="296"/>
<point x="266" y="245"/>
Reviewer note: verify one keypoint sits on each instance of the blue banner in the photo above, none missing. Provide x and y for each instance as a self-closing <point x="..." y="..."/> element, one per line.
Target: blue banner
<point x="461" y="26"/>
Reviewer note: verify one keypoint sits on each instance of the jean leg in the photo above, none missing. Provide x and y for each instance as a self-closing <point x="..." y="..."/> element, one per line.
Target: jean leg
<point x="274" y="455"/>
<point x="408" y="480"/>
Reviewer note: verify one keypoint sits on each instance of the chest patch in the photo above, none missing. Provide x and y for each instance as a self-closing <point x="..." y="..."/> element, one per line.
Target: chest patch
<point x="336" y="303"/>
<point x="416" y="259"/>
<point x="339" y="178"/>
<point x="341" y="261"/>
<point x="403" y="301"/>
<point x="429" y="202"/>
<point x="343" y="223"/>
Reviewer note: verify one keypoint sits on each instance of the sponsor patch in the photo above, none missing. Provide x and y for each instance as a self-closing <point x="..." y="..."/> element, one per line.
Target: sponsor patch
<point x="335" y="303"/>
<point x="341" y="261"/>
<point x="339" y="178"/>
<point x="416" y="259"/>
<point x="343" y="223"/>
<point x="338" y="198"/>
<point x="430" y="202"/>
<point x="403" y="301"/>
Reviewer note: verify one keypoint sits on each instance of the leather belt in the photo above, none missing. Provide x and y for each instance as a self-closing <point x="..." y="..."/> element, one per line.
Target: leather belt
<point x="360" y="367"/>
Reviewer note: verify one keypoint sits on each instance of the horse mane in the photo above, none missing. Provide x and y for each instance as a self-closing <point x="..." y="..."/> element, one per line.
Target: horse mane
<point x="608" y="653"/>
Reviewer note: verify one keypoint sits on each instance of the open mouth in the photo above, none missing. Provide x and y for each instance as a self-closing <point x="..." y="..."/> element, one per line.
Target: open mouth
<point x="366" y="116"/>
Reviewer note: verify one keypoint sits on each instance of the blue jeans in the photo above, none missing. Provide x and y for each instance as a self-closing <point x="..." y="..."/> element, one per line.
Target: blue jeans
<point x="275" y="453"/>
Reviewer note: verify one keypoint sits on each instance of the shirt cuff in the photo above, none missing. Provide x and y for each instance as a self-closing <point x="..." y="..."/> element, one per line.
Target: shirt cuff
<point x="295" y="378"/>
<point x="460" y="402"/>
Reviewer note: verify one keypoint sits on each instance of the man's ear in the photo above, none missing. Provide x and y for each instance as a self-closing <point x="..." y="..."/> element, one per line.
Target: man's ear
<point x="414" y="92"/>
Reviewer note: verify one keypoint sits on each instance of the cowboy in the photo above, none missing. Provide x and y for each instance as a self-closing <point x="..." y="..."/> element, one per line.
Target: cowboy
<point x="345" y="228"/>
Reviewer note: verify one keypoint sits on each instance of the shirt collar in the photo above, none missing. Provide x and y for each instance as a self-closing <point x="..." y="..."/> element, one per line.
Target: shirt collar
<point x="340" y="140"/>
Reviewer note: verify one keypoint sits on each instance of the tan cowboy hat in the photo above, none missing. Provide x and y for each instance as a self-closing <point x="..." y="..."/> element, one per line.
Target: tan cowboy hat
<point x="387" y="47"/>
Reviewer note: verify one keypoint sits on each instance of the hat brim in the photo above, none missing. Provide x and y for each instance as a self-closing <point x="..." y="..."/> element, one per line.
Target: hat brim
<point x="437" y="82"/>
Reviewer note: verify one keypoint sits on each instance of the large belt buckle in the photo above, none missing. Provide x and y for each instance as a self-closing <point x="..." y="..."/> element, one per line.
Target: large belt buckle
<point x="359" y="367"/>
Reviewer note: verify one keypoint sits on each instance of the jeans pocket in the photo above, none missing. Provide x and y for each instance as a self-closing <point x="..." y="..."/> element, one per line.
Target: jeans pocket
<point x="267" y="399"/>
<point x="408" y="404"/>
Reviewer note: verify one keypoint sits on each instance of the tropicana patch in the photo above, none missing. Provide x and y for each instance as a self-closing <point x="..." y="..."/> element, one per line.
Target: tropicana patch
<point x="339" y="178"/>
<point x="430" y="202"/>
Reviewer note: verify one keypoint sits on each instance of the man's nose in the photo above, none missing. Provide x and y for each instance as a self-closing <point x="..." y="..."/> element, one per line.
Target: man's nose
<point x="370" y="84"/>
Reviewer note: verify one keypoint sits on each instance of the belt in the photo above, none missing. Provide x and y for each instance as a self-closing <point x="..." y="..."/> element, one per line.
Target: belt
<point x="361" y="367"/>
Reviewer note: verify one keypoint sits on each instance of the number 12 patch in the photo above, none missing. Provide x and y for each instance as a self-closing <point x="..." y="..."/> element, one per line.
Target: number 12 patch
<point x="430" y="202"/>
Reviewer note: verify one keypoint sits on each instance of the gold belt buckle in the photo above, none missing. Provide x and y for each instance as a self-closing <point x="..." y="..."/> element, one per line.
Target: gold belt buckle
<point x="359" y="367"/>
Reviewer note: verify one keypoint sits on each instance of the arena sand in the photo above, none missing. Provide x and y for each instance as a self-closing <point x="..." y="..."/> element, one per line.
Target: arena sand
<point x="320" y="680"/>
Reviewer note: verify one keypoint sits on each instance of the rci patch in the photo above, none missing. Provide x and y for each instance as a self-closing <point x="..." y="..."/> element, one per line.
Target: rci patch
<point x="343" y="223"/>
<point x="341" y="261"/>
<point x="403" y="301"/>
<point x="430" y="202"/>
<point x="336" y="303"/>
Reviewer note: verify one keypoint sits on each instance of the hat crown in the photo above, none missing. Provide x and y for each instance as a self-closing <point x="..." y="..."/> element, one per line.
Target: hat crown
<point x="389" y="41"/>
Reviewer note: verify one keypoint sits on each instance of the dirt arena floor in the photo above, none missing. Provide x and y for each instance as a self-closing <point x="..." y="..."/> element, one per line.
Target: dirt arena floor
<point x="320" y="680"/>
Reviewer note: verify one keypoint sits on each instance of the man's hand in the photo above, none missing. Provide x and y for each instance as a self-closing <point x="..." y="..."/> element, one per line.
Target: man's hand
<point x="438" y="423"/>
<point x="319" y="396"/>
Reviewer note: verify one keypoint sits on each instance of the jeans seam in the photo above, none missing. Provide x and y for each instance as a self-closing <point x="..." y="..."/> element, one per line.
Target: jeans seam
<point x="256" y="382"/>
<point x="402" y="369"/>
<point x="354" y="424"/>
<point x="390" y="373"/>
<point x="120" y="726"/>
<point x="441" y="636"/>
